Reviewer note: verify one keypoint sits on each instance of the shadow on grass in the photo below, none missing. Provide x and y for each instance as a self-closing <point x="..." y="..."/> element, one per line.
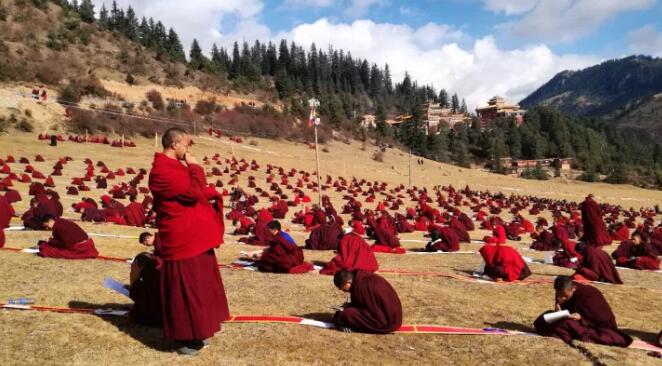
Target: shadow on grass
<point x="322" y="317"/>
<point x="151" y="337"/>
<point x="319" y="263"/>
<point x="644" y="336"/>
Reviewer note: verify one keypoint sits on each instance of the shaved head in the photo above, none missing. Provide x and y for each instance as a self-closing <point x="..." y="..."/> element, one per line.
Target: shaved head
<point x="341" y="278"/>
<point x="563" y="283"/>
<point x="171" y="136"/>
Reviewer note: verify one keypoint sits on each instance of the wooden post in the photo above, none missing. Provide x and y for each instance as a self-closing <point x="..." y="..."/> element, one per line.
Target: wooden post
<point x="317" y="161"/>
<point x="122" y="141"/>
<point x="156" y="140"/>
<point x="195" y="128"/>
<point x="410" y="168"/>
<point x="86" y="135"/>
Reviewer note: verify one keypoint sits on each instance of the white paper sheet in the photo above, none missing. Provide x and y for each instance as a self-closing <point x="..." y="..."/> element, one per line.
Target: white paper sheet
<point x="556" y="316"/>
<point x="30" y="250"/>
<point x="316" y="323"/>
<point x="115" y="286"/>
<point x="15" y="228"/>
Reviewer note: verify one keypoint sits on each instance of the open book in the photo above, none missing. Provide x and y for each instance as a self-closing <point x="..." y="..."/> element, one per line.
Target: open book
<point x="556" y="316"/>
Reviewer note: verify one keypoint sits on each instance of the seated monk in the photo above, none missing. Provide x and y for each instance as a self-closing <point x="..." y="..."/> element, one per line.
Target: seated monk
<point x="69" y="241"/>
<point x="504" y="262"/>
<point x="134" y="213"/>
<point x="145" y="290"/>
<point x="243" y="225"/>
<point x="279" y="209"/>
<point x="443" y="239"/>
<point x="386" y="239"/>
<point x="282" y="255"/>
<point x="596" y="265"/>
<point x="636" y="254"/>
<point x="32" y="218"/>
<point x="567" y="255"/>
<point x="6" y="213"/>
<point x="403" y="225"/>
<point x="261" y="235"/>
<point x="326" y="236"/>
<point x="374" y="308"/>
<point x="460" y="230"/>
<point x="544" y="240"/>
<point x="591" y="318"/>
<point x="353" y="254"/>
<point x="620" y="232"/>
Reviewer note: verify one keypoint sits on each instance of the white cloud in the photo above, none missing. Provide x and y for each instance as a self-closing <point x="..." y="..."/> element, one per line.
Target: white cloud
<point x="510" y="7"/>
<point x="477" y="73"/>
<point x="201" y="19"/>
<point x="407" y="11"/>
<point x="568" y="20"/>
<point x="646" y="40"/>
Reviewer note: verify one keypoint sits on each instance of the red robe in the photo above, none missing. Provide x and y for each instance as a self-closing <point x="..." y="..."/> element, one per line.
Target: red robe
<point x="193" y="299"/>
<point x="595" y="230"/>
<point x="642" y="256"/>
<point x="69" y="241"/>
<point x="597" y="324"/>
<point x="385" y="234"/>
<point x="375" y="306"/>
<point x="6" y="213"/>
<point x="135" y="214"/>
<point x="281" y="256"/>
<point x="544" y="241"/>
<point x="261" y="236"/>
<point x="597" y="266"/>
<point x="448" y="241"/>
<point x="325" y="237"/>
<point x="622" y="234"/>
<point x="188" y="225"/>
<point x="504" y="262"/>
<point x="462" y="232"/>
<point x="353" y="254"/>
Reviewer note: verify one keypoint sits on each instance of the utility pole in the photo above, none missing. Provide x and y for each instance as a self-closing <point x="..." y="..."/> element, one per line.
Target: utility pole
<point x="409" y="167"/>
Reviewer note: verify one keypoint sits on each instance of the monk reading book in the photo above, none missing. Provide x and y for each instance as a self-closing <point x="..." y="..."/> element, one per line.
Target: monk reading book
<point x="589" y="317"/>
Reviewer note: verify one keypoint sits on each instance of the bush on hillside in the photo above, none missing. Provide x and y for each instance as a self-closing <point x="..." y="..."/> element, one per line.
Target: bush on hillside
<point x="154" y="97"/>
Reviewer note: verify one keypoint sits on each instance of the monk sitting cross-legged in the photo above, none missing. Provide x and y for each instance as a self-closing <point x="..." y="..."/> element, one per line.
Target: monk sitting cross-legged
<point x="590" y="317"/>
<point x="69" y="241"/>
<point x="596" y="265"/>
<point x="636" y="254"/>
<point x="353" y="254"/>
<point x="282" y="255"/>
<point x="443" y="239"/>
<point x="326" y="236"/>
<point x="374" y="308"/>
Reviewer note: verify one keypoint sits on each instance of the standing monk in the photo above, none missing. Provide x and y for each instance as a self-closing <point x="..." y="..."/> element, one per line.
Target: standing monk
<point x="192" y="294"/>
<point x="595" y="230"/>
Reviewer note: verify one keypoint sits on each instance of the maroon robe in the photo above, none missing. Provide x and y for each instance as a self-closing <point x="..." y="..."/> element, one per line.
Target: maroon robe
<point x="325" y="237"/>
<point x="193" y="300"/>
<point x="448" y="240"/>
<point x="461" y="231"/>
<point x="146" y="295"/>
<point x="642" y="256"/>
<point x="544" y="242"/>
<point x="597" y="266"/>
<point x="280" y="257"/>
<point x="595" y="230"/>
<point x="597" y="324"/>
<point x="375" y="306"/>
<point x="69" y="241"/>
<point x="353" y="254"/>
<point x="385" y="234"/>
<point x="135" y="214"/>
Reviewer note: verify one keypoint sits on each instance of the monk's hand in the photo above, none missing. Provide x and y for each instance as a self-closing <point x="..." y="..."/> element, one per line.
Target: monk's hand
<point x="575" y="316"/>
<point x="190" y="159"/>
<point x="557" y="306"/>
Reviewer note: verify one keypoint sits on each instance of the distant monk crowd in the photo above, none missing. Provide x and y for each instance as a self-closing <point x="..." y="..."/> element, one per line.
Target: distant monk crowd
<point x="177" y="284"/>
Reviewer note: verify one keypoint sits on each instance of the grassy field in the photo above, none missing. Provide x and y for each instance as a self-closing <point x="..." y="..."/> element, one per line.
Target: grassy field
<point x="54" y="339"/>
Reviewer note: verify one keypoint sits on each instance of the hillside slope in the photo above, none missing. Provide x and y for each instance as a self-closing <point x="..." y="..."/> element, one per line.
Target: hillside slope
<point x="600" y="89"/>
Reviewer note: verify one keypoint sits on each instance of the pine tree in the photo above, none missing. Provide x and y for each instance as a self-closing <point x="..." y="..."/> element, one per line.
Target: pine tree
<point x="175" y="49"/>
<point x="443" y="98"/>
<point x="131" y="24"/>
<point x="455" y="104"/>
<point x="103" y="16"/>
<point x="463" y="107"/>
<point x="86" y="11"/>
<point x="235" y="69"/>
<point x="196" y="59"/>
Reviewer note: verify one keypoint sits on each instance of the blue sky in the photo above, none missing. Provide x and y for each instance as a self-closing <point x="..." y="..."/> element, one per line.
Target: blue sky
<point x="477" y="48"/>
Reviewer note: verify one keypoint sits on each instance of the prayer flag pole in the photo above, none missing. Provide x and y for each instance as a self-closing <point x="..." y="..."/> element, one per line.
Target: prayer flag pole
<point x="410" y="167"/>
<point x="314" y="103"/>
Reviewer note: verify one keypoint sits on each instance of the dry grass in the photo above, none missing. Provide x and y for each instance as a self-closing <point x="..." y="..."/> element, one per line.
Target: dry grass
<point x="56" y="339"/>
